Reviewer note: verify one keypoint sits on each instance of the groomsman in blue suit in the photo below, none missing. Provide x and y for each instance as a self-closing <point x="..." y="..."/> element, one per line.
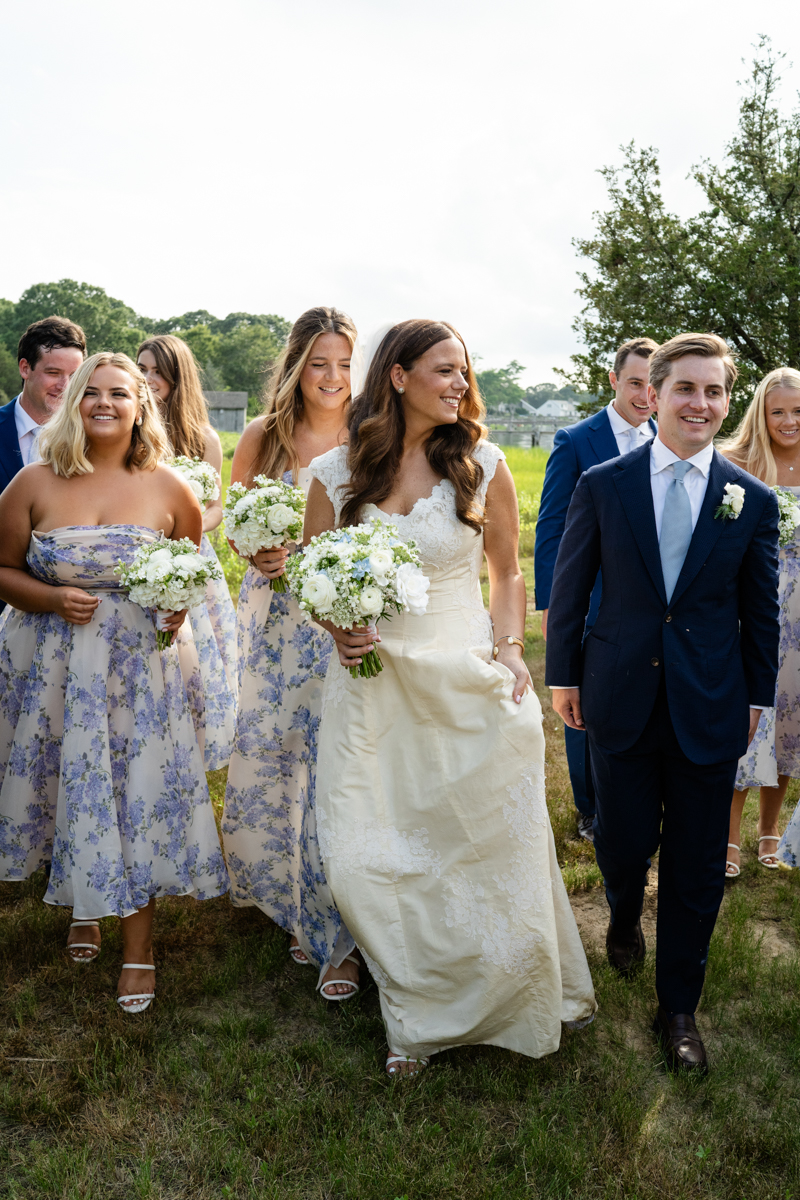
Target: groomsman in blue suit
<point x="49" y="354"/>
<point x="671" y="678"/>
<point x="622" y="426"/>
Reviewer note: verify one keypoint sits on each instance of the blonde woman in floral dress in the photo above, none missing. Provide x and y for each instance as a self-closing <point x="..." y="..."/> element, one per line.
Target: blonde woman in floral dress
<point x="767" y="444"/>
<point x="100" y="770"/>
<point x="207" y="642"/>
<point x="269" y="822"/>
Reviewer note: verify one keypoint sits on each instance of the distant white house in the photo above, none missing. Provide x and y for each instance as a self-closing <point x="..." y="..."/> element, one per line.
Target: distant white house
<point x="562" y="409"/>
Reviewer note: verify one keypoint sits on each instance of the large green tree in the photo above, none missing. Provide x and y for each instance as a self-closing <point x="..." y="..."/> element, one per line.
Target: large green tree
<point x="732" y="269"/>
<point x="109" y="324"/>
<point x="501" y="386"/>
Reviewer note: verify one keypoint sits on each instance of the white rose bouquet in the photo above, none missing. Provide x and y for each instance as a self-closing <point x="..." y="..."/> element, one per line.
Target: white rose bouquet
<point x="168" y="576"/>
<point x="359" y="576"/>
<point x="201" y="477"/>
<point x="788" y="515"/>
<point x="268" y="514"/>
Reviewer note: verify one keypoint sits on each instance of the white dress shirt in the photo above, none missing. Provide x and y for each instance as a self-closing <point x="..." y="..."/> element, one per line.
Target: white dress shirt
<point x="27" y="432"/>
<point x="628" y="437"/>
<point x="661" y="476"/>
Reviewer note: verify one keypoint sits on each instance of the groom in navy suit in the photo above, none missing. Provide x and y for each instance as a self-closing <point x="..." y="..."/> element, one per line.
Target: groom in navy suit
<point x="672" y="676"/>
<point x="622" y="426"/>
<point x="49" y="353"/>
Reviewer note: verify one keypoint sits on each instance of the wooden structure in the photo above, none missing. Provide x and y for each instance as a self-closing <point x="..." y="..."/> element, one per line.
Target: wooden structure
<point x="227" y="411"/>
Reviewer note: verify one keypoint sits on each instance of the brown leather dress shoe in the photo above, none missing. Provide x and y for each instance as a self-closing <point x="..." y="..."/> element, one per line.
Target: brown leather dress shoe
<point x="625" y="948"/>
<point x="681" y="1043"/>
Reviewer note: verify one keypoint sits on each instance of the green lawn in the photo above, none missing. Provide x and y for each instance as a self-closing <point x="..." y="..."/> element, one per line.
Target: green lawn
<point x="240" y="1082"/>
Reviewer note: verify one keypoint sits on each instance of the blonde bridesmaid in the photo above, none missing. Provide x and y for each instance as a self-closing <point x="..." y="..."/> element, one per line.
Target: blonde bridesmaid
<point x="269" y="824"/>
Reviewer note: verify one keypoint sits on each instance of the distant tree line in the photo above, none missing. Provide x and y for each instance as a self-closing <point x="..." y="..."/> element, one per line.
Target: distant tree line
<point x="234" y="352"/>
<point x="504" y="395"/>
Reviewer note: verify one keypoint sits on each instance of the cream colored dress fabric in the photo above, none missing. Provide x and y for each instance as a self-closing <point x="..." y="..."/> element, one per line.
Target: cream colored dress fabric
<point x="432" y="819"/>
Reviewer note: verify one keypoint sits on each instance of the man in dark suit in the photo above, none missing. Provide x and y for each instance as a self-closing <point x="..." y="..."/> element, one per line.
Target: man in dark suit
<point x="622" y="426"/>
<point x="670" y="681"/>
<point x="49" y="354"/>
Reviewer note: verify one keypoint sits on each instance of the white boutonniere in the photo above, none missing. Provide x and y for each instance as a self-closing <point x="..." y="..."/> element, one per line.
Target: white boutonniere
<point x="732" y="502"/>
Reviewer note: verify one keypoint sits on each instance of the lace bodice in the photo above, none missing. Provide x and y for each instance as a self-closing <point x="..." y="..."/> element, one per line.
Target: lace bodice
<point x="442" y="540"/>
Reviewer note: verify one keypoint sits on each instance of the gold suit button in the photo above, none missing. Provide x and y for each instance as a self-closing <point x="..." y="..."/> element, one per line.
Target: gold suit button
<point x="668" y="618"/>
<point x="654" y="662"/>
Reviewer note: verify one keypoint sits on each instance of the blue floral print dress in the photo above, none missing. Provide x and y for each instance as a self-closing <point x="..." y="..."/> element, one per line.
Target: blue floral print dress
<point x="207" y="653"/>
<point x="269" y="827"/>
<point x="100" y="769"/>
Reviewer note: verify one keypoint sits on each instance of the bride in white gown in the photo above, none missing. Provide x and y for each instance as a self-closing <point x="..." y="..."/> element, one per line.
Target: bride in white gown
<point x="430" y="780"/>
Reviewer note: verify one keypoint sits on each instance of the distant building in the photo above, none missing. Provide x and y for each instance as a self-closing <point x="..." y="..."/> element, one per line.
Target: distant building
<point x="227" y="411"/>
<point x="563" y="409"/>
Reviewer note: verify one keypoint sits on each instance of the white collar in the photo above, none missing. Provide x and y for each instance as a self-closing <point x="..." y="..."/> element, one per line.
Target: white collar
<point x="24" y="421"/>
<point x="661" y="457"/>
<point x="620" y="424"/>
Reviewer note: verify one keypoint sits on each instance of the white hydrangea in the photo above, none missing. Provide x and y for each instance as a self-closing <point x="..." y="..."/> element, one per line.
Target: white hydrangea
<point x="268" y="514"/>
<point x="201" y="477"/>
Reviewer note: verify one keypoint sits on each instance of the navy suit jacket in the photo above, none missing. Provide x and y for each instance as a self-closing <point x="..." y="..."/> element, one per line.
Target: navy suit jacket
<point x="715" y="643"/>
<point x="575" y="449"/>
<point x="10" y="454"/>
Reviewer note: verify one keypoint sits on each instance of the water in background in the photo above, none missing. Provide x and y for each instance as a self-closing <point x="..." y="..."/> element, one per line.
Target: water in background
<point x="504" y="437"/>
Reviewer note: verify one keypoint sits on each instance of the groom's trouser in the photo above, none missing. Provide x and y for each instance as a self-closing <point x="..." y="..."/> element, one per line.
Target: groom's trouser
<point x="650" y="793"/>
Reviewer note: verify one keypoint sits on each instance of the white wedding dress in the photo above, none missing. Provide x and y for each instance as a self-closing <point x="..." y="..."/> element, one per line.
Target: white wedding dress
<point x="432" y="818"/>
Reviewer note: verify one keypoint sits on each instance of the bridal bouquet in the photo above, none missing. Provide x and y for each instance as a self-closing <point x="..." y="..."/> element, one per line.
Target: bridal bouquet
<point x="200" y="475"/>
<point x="264" y="516"/>
<point x="168" y="576"/>
<point x="358" y="576"/>
<point x="788" y="515"/>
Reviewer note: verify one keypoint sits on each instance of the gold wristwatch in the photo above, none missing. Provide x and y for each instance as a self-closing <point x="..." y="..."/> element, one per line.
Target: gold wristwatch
<point x="512" y="641"/>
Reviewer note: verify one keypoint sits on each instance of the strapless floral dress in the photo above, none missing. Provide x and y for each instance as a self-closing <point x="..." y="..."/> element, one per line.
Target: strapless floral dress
<point x="100" y="769"/>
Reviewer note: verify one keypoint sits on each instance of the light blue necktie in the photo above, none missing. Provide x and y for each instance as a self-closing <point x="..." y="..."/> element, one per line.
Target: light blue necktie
<point x="676" y="528"/>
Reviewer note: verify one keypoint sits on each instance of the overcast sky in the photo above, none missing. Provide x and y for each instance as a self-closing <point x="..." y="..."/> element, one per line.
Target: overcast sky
<point x="396" y="158"/>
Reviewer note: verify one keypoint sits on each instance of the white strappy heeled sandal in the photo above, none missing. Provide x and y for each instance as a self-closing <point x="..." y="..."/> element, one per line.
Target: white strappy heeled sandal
<point x="762" y="858"/>
<point x="84" y="958"/>
<point x="303" y="960"/>
<point x="419" y="1063"/>
<point x="140" y="1000"/>
<point x="737" y="870"/>
<point x="344" y="982"/>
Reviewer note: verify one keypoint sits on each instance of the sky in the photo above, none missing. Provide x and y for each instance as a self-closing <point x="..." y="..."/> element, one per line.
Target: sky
<point x="423" y="158"/>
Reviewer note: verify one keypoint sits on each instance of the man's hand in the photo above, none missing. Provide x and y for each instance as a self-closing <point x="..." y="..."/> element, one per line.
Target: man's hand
<point x="544" y="623"/>
<point x="567" y="703"/>
<point x="755" y="716"/>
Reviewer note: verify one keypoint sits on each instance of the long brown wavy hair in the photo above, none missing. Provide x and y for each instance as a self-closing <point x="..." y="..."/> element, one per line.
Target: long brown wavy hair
<point x="283" y="398"/>
<point x="377" y="427"/>
<point x="184" y="413"/>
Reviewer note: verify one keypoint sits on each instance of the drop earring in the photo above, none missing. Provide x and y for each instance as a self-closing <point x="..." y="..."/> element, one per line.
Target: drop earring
<point x="139" y="419"/>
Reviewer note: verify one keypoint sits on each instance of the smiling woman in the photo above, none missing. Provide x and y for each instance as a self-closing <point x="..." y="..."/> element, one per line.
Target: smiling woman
<point x="103" y="776"/>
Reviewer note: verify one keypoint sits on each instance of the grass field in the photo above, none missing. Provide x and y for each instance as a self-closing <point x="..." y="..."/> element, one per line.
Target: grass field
<point x="240" y="1082"/>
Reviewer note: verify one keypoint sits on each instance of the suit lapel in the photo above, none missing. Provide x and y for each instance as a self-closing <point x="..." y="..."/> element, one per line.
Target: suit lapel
<point x="633" y="488"/>
<point x="601" y="438"/>
<point x="707" y="529"/>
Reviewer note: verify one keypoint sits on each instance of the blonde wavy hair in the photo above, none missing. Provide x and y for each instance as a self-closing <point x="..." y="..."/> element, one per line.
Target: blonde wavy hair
<point x="283" y="398"/>
<point x="64" y="445"/>
<point x="750" y="445"/>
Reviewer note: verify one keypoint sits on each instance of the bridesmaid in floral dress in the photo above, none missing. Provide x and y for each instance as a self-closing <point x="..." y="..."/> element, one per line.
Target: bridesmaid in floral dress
<point x="269" y="824"/>
<point x="100" y="770"/>
<point x="207" y="642"/>
<point x="767" y="444"/>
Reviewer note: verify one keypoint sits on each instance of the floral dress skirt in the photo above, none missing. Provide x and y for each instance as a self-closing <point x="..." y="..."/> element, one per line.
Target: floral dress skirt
<point x="207" y="654"/>
<point x="100" y="770"/>
<point x="269" y="826"/>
